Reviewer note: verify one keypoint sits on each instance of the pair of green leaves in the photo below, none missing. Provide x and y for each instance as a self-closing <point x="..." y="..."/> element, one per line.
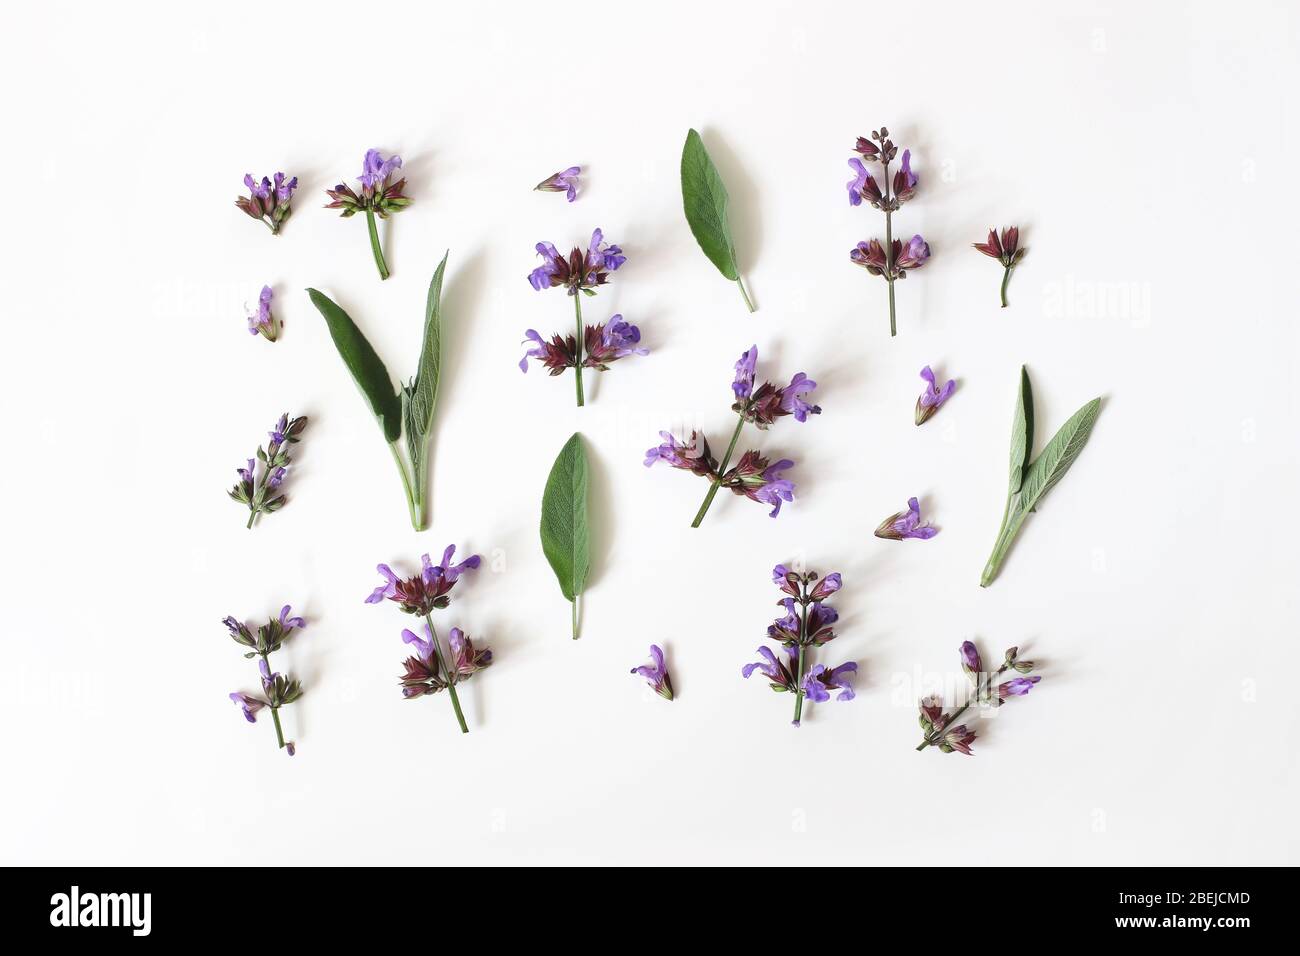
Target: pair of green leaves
<point x="565" y="539"/>
<point x="1030" y="481"/>
<point x="705" y="200"/>
<point x="414" y="404"/>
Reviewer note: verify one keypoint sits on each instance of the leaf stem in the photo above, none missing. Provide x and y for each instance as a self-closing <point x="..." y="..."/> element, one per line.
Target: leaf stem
<point x="1006" y="277"/>
<point x="451" y="677"/>
<point x="1006" y="534"/>
<point x="573" y="610"/>
<point x="415" y="509"/>
<point x="578" y="344"/>
<point x="741" y="282"/>
<point x="717" y="479"/>
<point x="374" y="244"/>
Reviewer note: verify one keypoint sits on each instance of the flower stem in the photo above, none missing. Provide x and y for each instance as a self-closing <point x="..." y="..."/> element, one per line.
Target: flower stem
<point x="451" y="683"/>
<point x="803" y="636"/>
<point x="741" y="282"/>
<point x="717" y="480"/>
<point x="279" y="731"/>
<point x="374" y="244"/>
<point x="413" y="507"/>
<point x="893" y="331"/>
<point x="252" y="515"/>
<point x="573" y="608"/>
<point x="577" y="347"/>
<point x="1006" y="277"/>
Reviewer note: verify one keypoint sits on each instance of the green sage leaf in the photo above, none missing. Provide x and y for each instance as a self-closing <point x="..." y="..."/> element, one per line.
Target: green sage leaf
<point x="364" y="363"/>
<point x="704" y="197"/>
<point x="1022" y="433"/>
<point x="421" y="395"/>
<point x="424" y="389"/>
<point x="564" y="518"/>
<point x="1060" y="453"/>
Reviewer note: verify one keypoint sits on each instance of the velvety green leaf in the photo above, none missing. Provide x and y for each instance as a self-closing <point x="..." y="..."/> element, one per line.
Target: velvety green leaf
<point x="424" y="390"/>
<point x="704" y="197"/>
<point x="420" y="397"/>
<point x="564" y="518"/>
<point x="1056" y="459"/>
<point x="1022" y="433"/>
<point x="364" y="363"/>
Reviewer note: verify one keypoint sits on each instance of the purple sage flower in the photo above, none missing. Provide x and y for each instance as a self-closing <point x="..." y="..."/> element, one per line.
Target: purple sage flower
<point x="805" y="626"/>
<point x="612" y="341"/>
<point x="581" y="271"/>
<point x="1006" y="250"/>
<point x="862" y="185"/>
<point x="759" y="481"/>
<point x="656" y="673"/>
<point x="913" y="256"/>
<point x="906" y="524"/>
<point x="691" y="455"/>
<point x="427" y="590"/>
<point x="1017" y="687"/>
<point x="565" y="181"/>
<point x="937" y="725"/>
<point x="746" y="366"/>
<point x="958" y="739"/>
<point x="257" y="492"/>
<point x="278" y="689"/>
<point x="932" y="398"/>
<point x="267" y="201"/>
<point x="264" y="322"/>
<point x="894" y="261"/>
<point x="820" y="681"/>
<point x="250" y="705"/>
<point x="753" y="476"/>
<point x="378" y="196"/>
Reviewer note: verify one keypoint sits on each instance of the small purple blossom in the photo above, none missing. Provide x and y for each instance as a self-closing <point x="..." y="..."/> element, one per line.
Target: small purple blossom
<point x="820" y="681"/>
<point x="970" y="659"/>
<point x="375" y="169"/>
<point x="614" y="340"/>
<point x="250" y="705"/>
<point x="264" y="321"/>
<point x="906" y="524"/>
<point x="267" y="201"/>
<point x="288" y="622"/>
<point x="913" y="256"/>
<point x="691" y="455"/>
<point x="656" y="673"/>
<point x="759" y="481"/>
<point x="932" y="398"/>
<point x="565" y="181"/>
<point x="746" y="366"/>
<point x="793" y="398"/>
<point x="1017" y="686"/>
<point x="862" y="186"/>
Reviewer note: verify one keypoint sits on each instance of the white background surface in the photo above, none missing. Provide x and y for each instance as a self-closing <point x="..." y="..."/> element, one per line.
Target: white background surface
<point x="1148" y="154"/>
